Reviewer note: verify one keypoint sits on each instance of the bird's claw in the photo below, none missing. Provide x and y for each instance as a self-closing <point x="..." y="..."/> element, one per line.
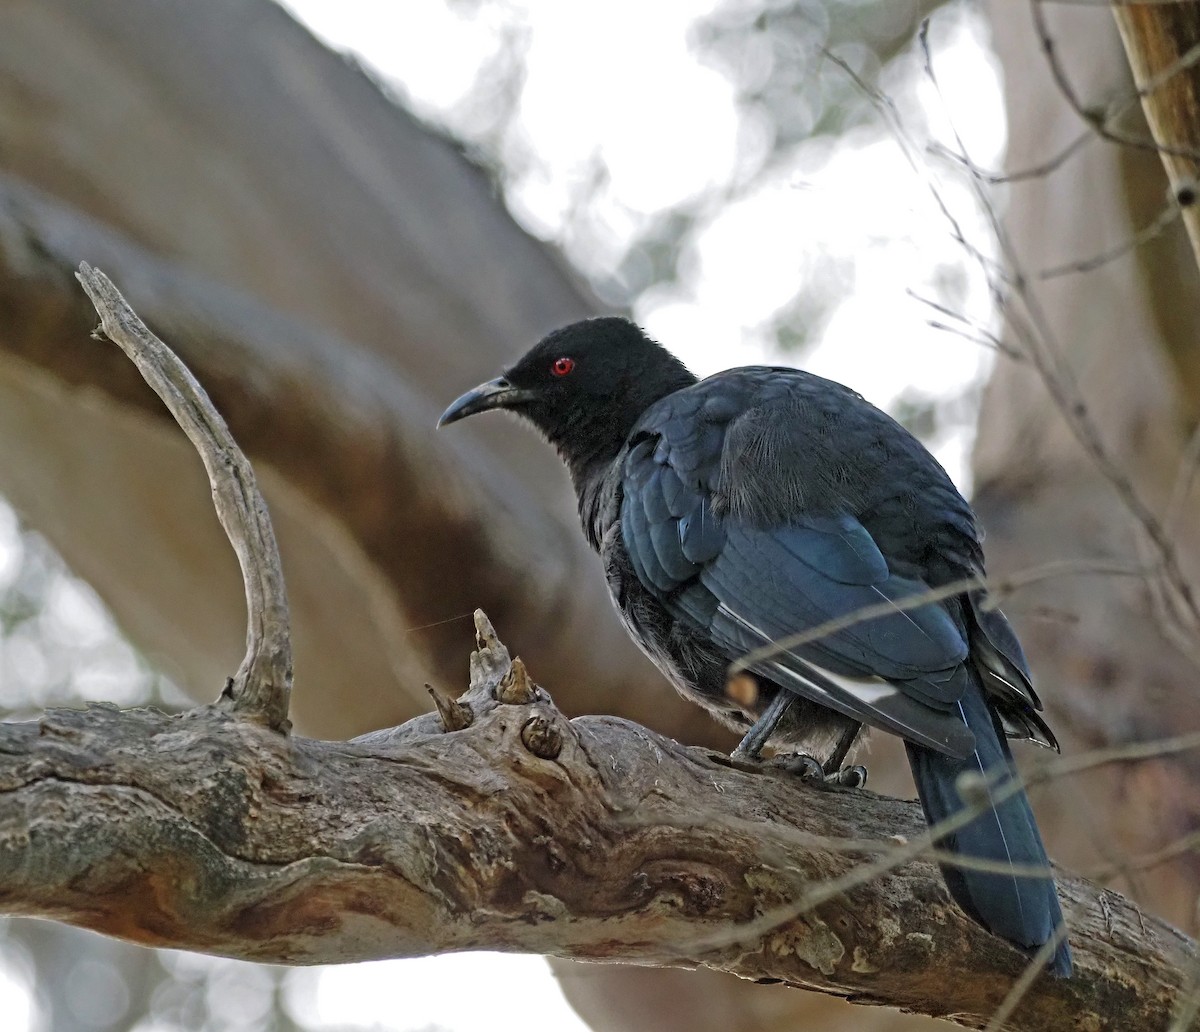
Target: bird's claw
<point x="805" y="766"/>
<point x="811" y="770"/>
<point x="849" y="777"/>
<point x="744" y="755"/>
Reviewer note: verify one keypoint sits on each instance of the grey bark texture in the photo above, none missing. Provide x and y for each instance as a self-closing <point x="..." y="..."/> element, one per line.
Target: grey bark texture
<point x="592" y="839"/>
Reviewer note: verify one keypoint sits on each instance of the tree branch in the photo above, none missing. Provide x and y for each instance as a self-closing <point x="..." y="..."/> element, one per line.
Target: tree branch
<point x="591" y="838"/>
<point x="263" y="683"/>
<point x="1162" y="43"/>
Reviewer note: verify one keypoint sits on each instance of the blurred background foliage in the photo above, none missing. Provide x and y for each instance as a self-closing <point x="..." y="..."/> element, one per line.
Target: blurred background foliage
<point x="733" y="149"/>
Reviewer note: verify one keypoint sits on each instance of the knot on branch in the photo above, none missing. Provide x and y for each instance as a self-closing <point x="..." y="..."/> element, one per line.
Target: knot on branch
<point x="455" y="715"/>
<point x="494" y="673"/>
<point x="542" y="737"/>
<point x="515" y="687"/>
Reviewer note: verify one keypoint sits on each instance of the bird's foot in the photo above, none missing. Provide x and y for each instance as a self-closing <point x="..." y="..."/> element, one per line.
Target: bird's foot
<point x="801" y="763"/>
<point x="806" y="766"/>
<point x="811" y="770"/>
<point x="849" y="777"/>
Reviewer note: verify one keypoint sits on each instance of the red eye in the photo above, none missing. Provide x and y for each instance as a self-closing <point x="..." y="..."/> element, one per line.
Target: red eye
<point x="562" y="366"/>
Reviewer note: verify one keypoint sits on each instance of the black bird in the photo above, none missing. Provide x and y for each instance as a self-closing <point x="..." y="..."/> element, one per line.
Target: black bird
<point x="735" y="511"/>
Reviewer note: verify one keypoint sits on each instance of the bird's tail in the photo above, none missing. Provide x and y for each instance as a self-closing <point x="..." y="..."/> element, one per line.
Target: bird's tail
<point x="1022" y="909"/>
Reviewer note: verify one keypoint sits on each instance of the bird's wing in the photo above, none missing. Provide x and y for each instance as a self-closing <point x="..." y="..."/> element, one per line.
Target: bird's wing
<point x="745" y="586"/>
<point x="1004" y="672"/>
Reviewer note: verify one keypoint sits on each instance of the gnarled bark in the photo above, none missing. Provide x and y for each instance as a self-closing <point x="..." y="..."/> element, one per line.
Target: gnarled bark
<point x="592" y="839"/>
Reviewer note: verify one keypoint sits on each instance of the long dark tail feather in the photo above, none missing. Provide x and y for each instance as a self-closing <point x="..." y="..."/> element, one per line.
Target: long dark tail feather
<point x="1022" y="909"/>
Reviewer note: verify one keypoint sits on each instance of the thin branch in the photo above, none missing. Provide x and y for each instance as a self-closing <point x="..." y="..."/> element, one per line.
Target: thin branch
<point x="997" y="587"/>
<point x="1166" y="217"/>
<point x="1189" y="463"/>
<point x="261" y="688"/>
<point x="1099" y="126"/>
<point x="1032" y="328"/>
<point x="968" y="329"/>
<point x="1038" y="171"/>
<point x="1162" y="45"/>
<point x="1189" y="843"/>
<point x="1096" y="121"/>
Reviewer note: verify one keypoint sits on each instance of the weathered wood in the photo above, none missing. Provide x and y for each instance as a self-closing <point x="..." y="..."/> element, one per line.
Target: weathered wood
<point x="204" y="832"/>
<point x="262" y="686"/>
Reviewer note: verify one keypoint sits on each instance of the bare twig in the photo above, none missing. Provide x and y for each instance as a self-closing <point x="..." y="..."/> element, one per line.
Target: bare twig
<point x="1026" y="318"/>
<point x="1189" y="843"/>
<point x="261" y="688"/>
<point x="1043" y="168"/>
<point x="1097" y="121"/>
<point x="968" y="329"/>
<point x="1189" y="463"/>
<point x="1166" y="217"/>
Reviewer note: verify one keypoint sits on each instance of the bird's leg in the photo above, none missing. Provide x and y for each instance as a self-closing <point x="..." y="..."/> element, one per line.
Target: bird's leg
<point x="751" y="745"/>
<point x="806" y="766"/>
<point x="851" y="777"/>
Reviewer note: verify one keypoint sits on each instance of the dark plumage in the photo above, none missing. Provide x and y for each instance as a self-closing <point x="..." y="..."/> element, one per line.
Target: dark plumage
<point x="762" y="501"/>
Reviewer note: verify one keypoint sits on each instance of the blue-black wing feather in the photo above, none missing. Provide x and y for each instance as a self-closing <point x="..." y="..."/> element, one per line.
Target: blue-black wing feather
<point x="747" y="582"/>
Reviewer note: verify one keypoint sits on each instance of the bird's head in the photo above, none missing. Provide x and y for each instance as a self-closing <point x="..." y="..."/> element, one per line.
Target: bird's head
<point x="583" y="386"/>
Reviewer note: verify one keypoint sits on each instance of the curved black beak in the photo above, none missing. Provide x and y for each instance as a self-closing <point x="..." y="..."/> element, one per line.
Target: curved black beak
<point x="497" y="393"/>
